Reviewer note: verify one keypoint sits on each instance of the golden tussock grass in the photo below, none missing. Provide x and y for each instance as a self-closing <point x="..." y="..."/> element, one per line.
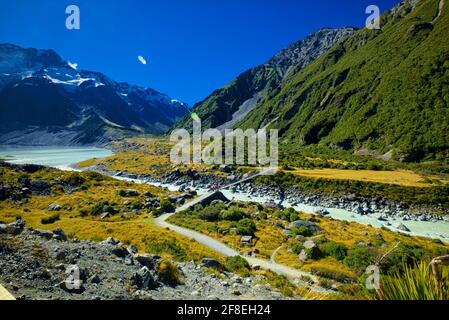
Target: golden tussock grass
<point x="398" y="177"/>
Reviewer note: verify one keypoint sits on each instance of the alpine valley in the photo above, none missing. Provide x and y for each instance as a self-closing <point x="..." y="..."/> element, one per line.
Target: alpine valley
<point x="361" y="192"/>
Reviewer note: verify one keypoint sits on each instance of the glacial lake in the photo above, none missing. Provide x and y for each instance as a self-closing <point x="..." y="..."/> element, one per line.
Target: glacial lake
<point x="56" y="157"/>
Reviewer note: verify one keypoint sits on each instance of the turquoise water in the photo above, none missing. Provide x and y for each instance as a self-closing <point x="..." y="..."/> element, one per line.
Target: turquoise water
<point x="56" y="157"/>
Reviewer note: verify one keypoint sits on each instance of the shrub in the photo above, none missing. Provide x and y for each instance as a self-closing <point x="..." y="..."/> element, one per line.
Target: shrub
<point x="263" y="215"/>
<point x="334" y="249"/>
<point x="313" y="253"/>
<point x="302" y="231"/>
<point x="330" y="274"/>
<point x="83" y="213"/>
<point x="233" y="214"/>
<point x="171" y="247"/>
<point x="211" y="213"/>
<point x="97" y="209"/>
<point x="404" y="255"/>
<point x="74" y="179"/>
<point x="281" y="215"/>
<point x="136" y="204"/>
<point x="92" y="175"/>
<point x="236" y="264"/>
<point x="51" y="219"/>
<point x="168" y="273"/>
<point x="360" y="257"/>
<point x="414" y="283"/>
<point x="246" y="227"/>
<point x="294" y="216"/>
<point x="297" y="248"/>
<point x="167" y="206"/>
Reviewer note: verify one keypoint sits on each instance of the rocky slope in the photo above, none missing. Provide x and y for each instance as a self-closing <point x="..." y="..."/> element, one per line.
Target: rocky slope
<point x="46" y="100"/>
<point x="228" y="105"/>
<point x="39" y="264"/>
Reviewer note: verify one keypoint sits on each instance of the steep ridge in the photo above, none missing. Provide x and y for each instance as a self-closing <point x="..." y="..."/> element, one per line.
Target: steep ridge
<point x="381" y="91"/>
<point x="228" y="105"/>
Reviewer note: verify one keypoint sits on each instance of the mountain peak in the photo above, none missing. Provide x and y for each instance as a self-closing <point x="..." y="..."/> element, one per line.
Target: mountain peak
<point x="41" y="83"/>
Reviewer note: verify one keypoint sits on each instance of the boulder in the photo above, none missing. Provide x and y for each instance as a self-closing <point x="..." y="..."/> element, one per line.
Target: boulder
<point x="59" y="235"/>
<point x="246" y="240"/>
<point x="402" y="227"/>
<point x="14" y="228"/>
<point x="303" y="256"/>
<point x="309" y="244"/>
<point x="301" y="223"/>
<point x="147" y="260"/>
<point x="120" y="251"/>
<point x="43" y="233"/>
<point x="111" y="241"/>
<point x="225" y="168"/>
<point x="322" y="212"/>
<point x="54" y="207"/>
<point x="95" y="279"/>
<point x="143" y="279"/>
<point x="104" y="215"/>
<point x="217" y="195"/>
<point x="288" y="233"/>
<point x="211" y="263"/>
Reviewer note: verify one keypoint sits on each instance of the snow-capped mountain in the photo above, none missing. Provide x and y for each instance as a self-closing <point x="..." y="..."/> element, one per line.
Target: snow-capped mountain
<point x="46" y="100"/>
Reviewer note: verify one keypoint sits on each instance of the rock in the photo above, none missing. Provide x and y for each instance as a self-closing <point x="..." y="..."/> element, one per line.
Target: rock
<point x="225" y="168"/>
<point x="217" y="195"/>
<point x="133" y="250"/>
<point x="120" y="251"/>
<point x="303" y="256"/>
<point x="147" y="260"/>
<point x="211" y="263"/>
<point x="301" y="223"/>
<point x="195" y="293"/>
<point x="72" y="286"/>
<point x="104" y="215"/>
<point x="309" y="244"/>
<point x="59" y="235"/>
<point x="322" y="212"/>
<point x="14" y="228"/>
<point x="54" y="207"/>
<point x="95" y="279"/>
<point x="246" y="240"/>
<point x="111" y="241"/>
<point x="288" y="233"/>
<point x="402" y="227"/>
<point x="43" y="233"/>
<point x="143" y="279"/>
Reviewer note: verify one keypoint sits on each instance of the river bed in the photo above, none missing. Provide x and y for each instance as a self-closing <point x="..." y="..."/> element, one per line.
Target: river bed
<point x="64" y="158"/>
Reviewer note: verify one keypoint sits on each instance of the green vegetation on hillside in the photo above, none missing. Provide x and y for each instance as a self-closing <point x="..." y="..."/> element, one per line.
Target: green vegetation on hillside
<point x="385" y="90"/>
<point x="341" y="253"/>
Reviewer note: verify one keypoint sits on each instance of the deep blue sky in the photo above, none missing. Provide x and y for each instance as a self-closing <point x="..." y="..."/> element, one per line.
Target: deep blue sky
<point x="192" y="46"/>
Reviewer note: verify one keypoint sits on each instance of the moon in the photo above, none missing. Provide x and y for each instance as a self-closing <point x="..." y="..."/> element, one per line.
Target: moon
<point x="142" y="60"/>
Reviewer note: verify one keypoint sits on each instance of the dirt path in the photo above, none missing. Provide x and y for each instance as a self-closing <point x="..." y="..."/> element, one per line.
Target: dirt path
<point x="291" y="273"/>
